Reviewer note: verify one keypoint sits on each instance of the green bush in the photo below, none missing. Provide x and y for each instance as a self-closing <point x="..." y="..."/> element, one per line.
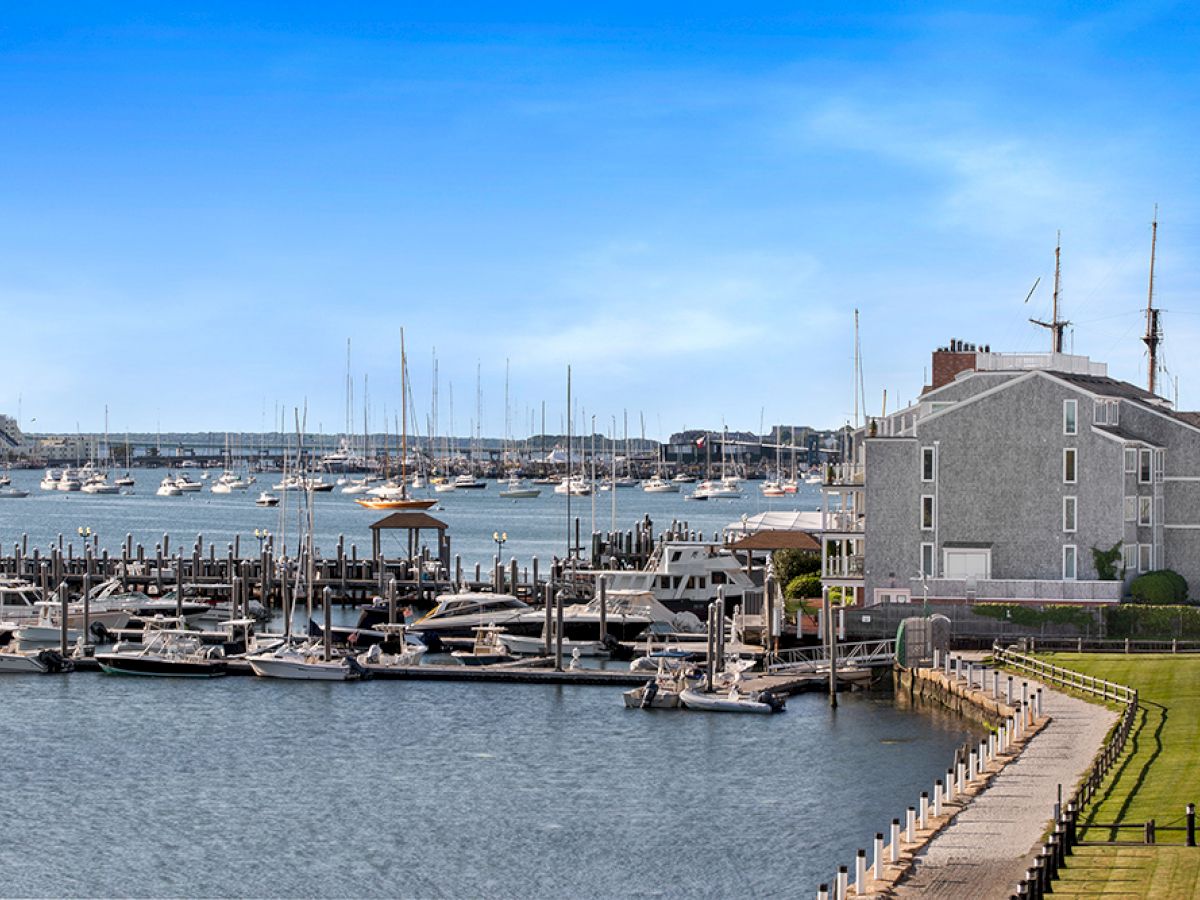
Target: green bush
<point x="791" y="563"/>
<point x="1161" y="588"/>
<point x="1032" y="617"/>
<point x="804" y="587"/>
<point x="1108" y="562"/>
<point x="1132" y="620"/>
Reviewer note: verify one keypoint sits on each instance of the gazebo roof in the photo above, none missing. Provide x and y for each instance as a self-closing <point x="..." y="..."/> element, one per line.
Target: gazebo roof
<point x="410" y="521"/>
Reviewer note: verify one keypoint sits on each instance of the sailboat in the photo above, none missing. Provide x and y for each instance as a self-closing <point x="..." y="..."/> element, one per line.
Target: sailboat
<point x="400" y="498"/>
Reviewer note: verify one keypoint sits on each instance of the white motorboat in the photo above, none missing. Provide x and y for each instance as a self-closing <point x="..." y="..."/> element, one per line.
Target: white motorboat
<point x="377" y="658"/>
<point x="576" y="487"/>
<point x="49" y="481"/>
<point x="457" y="615"/>
<point x="220" y="487"/>
<point x="659" y="485"/>
<point x="468" y="482"/>
<point x="516" y="489"/>
<point x="187" y="486"/>
<point x="661" y="692"/>
<point x="170" y="652"/>
<point x="487" y="650"/>
<point x="732" y="700"/>
<point x="628" y="613"/>
<point x="12" y="493"/>
<point x="33" y="662"/>
<point x="445" y="487"/>
<point x="69" y="482"/>
<point x="535" y="645"/>
<point x="684" y="478"/>
<point x="168" y="488"/>
<point x="98" y="484"/>
<point x="266" y="499"/>
<point x="125" y="480"/>
<point x="304" y="663"/>
<point x="357" y="486"/>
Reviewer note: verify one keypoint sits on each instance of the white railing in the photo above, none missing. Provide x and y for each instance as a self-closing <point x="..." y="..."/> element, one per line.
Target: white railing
<point x="1000" y="589"/>
<point x="814" y="659"/>
<point x="843" y="473"/>
<point x="843" y="566"/>
<point x="843" y="522"/>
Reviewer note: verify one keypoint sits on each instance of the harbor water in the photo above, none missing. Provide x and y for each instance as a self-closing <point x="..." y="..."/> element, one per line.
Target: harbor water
<point x="248" y="787"/>
<point x="535" y="526"/>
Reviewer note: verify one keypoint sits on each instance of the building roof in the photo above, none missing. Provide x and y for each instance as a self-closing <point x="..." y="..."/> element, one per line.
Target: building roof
<point x="410" y="520"/>
<point x="777" y="540"/>
<point x="1192" y="418"/>
<point x="1126" y="435"/>
<point x="1109" y="387"/>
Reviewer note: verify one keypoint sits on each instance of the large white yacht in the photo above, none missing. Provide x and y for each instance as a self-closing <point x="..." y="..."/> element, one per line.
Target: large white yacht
<point x="684" y="576"/>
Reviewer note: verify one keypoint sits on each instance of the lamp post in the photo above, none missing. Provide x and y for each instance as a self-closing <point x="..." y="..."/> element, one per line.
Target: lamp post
<point x="925" y="594"/>
<point x="85" y="532"/>
<point x="262" y="534"/>
<point x="500" y="537"/>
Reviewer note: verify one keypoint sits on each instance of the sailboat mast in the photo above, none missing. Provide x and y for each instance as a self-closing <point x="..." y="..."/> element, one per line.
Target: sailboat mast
<point x="403" y="418"/>
<point x="1153" y="334"/>
<point x="570" y="550"/>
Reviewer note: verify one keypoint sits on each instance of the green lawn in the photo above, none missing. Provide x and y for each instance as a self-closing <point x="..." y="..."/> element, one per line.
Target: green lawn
<point x="1159" y="774"/>
<point x="1129" y="872"/>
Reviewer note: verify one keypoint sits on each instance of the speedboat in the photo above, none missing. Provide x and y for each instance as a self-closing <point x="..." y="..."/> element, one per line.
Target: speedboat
<point x="187" y="486"/>
<point x="46" y="628"/>
<point x="628" y="613"/>
<point x="357" y="486"/>
<point x="683" y="478"/>
<point x="266" y="499"/>
<point x="125" y="480"/>
<point x="535" y="645"/>
<point x="576" y="487"/>
<point x="36" y="662"/>
<point x="49" y="481"/>
<point x="305" y="662"/>
<point x="458" y="615"/>
<point x="487" y="650"/>
<point x="661" y="692"/>
<point x="406" y="652"/>
<point x="170" y="652"/>
<point x="515" y="489"/>
<point x="98" y="484"/>
<point x="12" y="493"/>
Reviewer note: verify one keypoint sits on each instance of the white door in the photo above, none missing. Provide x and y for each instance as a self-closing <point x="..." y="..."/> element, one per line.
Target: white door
<point x="961" y="562"/>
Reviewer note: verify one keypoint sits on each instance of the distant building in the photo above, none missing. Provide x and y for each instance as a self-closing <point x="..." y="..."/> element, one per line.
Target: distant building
<point x="1001" y="480"/>
<point x="10" y="434"/>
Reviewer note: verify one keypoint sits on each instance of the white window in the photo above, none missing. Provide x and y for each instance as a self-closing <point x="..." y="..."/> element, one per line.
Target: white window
<point x="1145" y="511"/>
<point x="1129" y="557"/>
<point x="1107" y="412"/>
<point x="1144" y="467"/>
<point x="927" y="560"/>
<point x="1069" y="510"/>
<point x="1130" y="460"/>
<point x="1068" y="569"/>
<point x="927" y="464"/>
<point x="1070" y="417"/>
<point x="927" y="512"/>
<point x="1160" y="464"/>
<point x="1131" y="509"/>
<point x="1145" y="557"/>
<point x="1070" y="475"/>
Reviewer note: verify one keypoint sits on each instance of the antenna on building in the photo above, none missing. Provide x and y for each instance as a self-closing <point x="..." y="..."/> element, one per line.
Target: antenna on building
<point x="1153" y="336"/>
<point x="1056" y="327"/>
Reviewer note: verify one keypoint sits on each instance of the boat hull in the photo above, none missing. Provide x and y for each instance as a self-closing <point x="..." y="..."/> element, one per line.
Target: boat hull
<point x="698" y="700"/>
<point x="300" y="670"/>
<point x="20" y="663"/>
<point x="121" y="664"/>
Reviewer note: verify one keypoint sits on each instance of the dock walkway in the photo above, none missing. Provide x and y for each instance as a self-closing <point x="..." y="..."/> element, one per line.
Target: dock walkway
<point x="984" y="852"/>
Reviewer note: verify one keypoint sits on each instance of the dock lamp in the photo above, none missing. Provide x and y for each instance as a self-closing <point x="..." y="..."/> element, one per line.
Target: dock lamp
<point x="500" y="537"/>
<point x="262" y="534"/>
<point x="85" y="532"/>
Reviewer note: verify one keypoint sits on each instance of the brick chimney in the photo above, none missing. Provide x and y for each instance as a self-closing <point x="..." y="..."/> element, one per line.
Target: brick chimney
<point x="956" y="357"/>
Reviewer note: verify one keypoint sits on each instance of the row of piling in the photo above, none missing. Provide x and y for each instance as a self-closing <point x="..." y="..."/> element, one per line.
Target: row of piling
<point x="972" y="768"/>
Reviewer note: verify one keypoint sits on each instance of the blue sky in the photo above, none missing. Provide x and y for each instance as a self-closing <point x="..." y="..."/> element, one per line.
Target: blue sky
<point x="199" y="206"/>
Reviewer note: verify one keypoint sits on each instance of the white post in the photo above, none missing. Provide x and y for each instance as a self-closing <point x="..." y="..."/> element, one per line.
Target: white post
<point x="878" y="855"/>
<point x="894" y="854"/>
<point x="962" y="774"/>
<point x="843" y="886"/>
<point x="860" y="874"/>
<point x="995" y="684"/>
<point x="924" y="811"/>
<point x="910" y="822"/>
<point x="972" y="759"/>
<point x="937" y="798"/>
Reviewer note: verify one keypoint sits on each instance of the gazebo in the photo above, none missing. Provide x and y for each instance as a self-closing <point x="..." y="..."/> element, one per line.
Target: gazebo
<point x="414" y="523"/>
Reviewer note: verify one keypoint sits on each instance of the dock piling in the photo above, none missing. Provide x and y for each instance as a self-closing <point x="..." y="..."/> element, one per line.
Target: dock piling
<point x="326" y="595"/>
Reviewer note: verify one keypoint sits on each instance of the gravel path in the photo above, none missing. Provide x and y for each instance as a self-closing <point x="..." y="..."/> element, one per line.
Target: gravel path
<point x="984" y="853"/>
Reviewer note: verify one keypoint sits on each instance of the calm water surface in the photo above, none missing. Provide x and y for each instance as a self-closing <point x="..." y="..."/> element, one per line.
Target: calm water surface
<point x="247" y="787"/>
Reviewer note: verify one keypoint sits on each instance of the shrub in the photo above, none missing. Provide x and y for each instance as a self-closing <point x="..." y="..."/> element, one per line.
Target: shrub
<point x="1162" y="588"/>
<point x="1133" y="620"/>
<point x="791" y="563"/>
<point x="1107" y="562"/>
<point x="1028" y="616"/>
<point x="804" y="587"/>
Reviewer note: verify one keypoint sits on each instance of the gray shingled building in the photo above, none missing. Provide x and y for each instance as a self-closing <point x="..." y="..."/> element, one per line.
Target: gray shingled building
<point x="1001" y="480"/>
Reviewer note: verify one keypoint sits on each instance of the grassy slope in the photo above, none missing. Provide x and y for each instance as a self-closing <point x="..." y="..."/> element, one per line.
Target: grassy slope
<point x="1157" y="776"/>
